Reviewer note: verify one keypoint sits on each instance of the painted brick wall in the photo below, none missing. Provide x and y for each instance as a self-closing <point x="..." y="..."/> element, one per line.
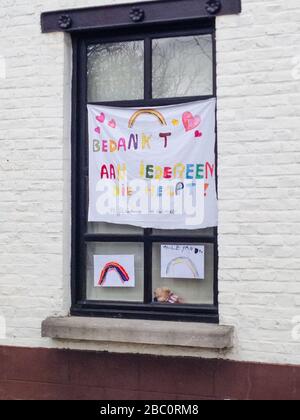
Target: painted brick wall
<point x="258" y="55"/>
<point x="259" y="150"/>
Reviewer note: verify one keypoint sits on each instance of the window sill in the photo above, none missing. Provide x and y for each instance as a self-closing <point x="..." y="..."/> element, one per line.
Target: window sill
<point x="108" y="330"/>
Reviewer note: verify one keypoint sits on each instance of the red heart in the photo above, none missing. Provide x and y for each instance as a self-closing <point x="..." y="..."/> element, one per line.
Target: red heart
<point x="101" y="118"/>
<point x="190" y="121"/>
<point x="112" y="123"/>
<point x="198" y="134"/>
<point x="98" y="130"/>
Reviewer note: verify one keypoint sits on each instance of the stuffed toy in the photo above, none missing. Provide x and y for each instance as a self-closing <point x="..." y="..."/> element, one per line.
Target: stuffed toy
<point x="165" y="295"/>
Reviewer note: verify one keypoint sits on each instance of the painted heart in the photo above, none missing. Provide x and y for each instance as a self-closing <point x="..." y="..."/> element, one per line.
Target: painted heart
<point x="101" y="118"/>
<point x="98" y="130"/>
<point x="112" y="123"/>
<point x="175" y="122"/>
<point x="198" y="134"/>
<point x="190" y="121"/>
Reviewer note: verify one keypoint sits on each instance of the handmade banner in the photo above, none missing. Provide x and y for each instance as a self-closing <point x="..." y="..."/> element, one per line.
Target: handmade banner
<point x="153" y="168"/>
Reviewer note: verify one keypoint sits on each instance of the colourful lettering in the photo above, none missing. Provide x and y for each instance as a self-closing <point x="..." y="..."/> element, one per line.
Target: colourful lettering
<point x="189" y="171"/>
<point x="122" y="144"/>
<point x="199" y="171"/>
<point x="165" y="137"/>
<point x="146" y="141"/>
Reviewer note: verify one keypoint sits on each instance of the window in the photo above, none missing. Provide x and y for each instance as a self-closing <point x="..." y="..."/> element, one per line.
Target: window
<point x="138" y="68"/>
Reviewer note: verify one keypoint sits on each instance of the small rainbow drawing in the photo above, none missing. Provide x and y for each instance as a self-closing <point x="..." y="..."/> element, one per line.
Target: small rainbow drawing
<point x="153" y="112"/>
<point x="183" y="261"/>
<point x="116" y="267"/>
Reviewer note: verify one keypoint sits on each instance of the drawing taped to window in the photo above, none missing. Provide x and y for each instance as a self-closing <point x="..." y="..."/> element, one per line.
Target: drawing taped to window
<point x="182" y="261"/>
<point x="114" y="271"/>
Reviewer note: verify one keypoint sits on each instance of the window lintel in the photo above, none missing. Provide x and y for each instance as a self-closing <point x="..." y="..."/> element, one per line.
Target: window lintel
<point x="135" y="14"/>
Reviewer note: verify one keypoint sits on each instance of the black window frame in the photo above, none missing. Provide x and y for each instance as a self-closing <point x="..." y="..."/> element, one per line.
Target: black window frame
<point x="149" y="309"/>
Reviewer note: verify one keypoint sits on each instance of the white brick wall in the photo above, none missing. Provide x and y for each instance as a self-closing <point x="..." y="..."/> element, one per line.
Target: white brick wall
<point x="258" y="55"/>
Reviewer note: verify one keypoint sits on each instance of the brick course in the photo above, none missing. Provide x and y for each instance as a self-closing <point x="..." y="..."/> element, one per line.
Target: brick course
<point x="67" y="374"/>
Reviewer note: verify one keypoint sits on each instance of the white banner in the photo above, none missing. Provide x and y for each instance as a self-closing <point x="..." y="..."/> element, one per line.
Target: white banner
<point x="153" y="168"/>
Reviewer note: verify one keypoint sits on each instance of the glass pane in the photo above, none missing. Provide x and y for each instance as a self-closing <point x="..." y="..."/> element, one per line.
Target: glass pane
<point x="188" y="290"/>
<point x="182" y="66"/>
<point x="110" y="252"/>
<point x="116" y="71"/>
<point x="113" y="229"/>
<point x="207" y="233"/>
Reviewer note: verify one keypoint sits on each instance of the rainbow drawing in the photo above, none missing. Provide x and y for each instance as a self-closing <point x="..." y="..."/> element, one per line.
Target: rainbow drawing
<point x="153" y="112"/>
<point x="183" y="261"/>
<point x="116" y="267"/>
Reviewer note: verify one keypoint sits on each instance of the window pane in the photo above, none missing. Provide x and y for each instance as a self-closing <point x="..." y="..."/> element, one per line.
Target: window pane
<point x="190" y="291"/>
<point x="182" y="66"/>
<point x="113" y="229"/>
<point x="118" y="294"/>
<point x="116" y="71"/>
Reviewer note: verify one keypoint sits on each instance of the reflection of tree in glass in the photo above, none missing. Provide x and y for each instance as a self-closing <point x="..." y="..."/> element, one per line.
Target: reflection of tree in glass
<point x="182" y="66"/>
<point x="115" y="71"/>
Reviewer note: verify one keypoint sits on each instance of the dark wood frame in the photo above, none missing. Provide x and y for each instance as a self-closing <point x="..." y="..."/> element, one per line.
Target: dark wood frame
<point x="147" y="310"/>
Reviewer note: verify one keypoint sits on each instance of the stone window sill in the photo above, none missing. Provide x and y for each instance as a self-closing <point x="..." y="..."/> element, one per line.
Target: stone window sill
<point x="140" y="332"/>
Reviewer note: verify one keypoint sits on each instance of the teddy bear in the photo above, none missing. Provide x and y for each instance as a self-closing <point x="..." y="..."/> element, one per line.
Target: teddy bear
<point x="165" y="295"/>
